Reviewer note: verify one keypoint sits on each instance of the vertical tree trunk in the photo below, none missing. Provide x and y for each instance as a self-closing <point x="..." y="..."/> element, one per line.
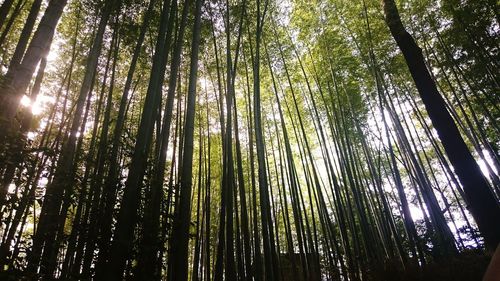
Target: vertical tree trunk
<point x="271" y="271"/>
<point x="178" y="256"/>
<point x="150" y="241"/>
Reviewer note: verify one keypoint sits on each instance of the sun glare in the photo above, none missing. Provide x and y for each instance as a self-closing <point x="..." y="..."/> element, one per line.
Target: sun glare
<point x="25" y="101"/>
<point x="37" y="105"/>
<point x="36" y="108"/>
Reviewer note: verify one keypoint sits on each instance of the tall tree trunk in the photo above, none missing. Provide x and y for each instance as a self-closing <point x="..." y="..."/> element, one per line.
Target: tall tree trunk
<point x="148" y="254"/>
<point x="271" y="271"/>
<point x="25" y="34"/>
<point x="178" y="256"/>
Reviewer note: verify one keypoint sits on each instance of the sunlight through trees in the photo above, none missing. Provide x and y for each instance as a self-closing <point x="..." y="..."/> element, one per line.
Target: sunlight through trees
<point x="249" y="140"/>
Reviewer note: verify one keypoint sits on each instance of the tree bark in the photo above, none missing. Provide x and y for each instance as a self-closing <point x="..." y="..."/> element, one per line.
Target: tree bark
<point x="180" y="234"/>
<point x="25" y="34"/>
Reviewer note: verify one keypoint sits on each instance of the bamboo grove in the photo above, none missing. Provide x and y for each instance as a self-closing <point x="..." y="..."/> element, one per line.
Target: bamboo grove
<point x="246" y="140"/>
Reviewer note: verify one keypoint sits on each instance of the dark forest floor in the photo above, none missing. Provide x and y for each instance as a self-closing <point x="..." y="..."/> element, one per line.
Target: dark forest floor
<point x="467" y="266"/>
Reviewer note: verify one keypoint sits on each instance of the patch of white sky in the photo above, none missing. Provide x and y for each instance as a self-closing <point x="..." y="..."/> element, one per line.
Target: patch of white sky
<point x="284" y="11"/>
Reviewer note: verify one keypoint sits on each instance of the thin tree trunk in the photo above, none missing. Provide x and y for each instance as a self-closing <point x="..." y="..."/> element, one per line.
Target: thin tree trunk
<point x="25" y="34"/>
<point x="180" y="233"/>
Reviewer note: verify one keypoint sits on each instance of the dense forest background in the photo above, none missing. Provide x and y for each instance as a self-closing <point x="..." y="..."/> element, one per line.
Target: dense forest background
<point x="249" y="140"/>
